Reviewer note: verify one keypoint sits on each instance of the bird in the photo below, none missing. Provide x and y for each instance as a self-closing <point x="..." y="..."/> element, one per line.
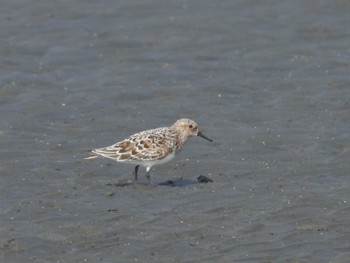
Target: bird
<point x="151" y="147"/>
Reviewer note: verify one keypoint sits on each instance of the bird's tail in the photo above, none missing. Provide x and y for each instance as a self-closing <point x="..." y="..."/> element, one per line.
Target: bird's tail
<point x="92" y="155"/>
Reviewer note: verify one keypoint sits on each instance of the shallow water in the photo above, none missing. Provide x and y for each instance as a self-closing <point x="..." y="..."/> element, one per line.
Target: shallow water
<point x="268" y="81"/>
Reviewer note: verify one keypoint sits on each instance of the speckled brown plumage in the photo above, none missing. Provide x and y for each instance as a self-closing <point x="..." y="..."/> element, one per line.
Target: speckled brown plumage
<point x="151" y="147"/>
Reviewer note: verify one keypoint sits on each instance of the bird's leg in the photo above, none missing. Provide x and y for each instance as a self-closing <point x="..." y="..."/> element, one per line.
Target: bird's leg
<point x="135" y="172"/>
<point x="148" y="176"/>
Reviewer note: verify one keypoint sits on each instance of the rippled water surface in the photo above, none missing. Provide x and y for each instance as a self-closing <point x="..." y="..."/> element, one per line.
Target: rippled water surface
<point x="267" y="80"/>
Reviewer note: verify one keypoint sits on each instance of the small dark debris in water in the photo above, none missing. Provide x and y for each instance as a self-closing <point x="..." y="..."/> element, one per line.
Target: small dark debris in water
<point x="204" y="179"/>
<point x="113" y="210"/>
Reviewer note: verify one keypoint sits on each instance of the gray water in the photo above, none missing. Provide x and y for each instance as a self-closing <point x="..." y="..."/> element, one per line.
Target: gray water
<point x="268" y="81"/>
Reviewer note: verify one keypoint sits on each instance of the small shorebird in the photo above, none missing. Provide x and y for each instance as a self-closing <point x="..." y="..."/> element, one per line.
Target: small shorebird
<point x="151" y="147"/>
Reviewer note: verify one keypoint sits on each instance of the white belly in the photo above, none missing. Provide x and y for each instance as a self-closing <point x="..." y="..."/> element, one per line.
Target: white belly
<point x="151" y="163"/>
<point x="156" y="162"/>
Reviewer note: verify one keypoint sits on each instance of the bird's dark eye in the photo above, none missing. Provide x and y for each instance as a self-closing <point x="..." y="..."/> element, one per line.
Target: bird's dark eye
<point x="191" y="126"/>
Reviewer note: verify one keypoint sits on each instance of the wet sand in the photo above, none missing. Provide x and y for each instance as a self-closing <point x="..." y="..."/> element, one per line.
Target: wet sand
<point x="267" y="81"/>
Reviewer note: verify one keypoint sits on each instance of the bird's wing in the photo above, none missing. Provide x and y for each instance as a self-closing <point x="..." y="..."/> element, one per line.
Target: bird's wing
<point x="146" y="146"/>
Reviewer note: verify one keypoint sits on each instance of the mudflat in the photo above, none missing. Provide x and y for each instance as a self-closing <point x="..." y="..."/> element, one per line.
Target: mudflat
<point x="267" y="81"/>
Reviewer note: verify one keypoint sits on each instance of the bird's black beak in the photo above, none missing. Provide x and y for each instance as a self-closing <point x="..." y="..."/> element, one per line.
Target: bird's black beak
<point x="200" y="134"/>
